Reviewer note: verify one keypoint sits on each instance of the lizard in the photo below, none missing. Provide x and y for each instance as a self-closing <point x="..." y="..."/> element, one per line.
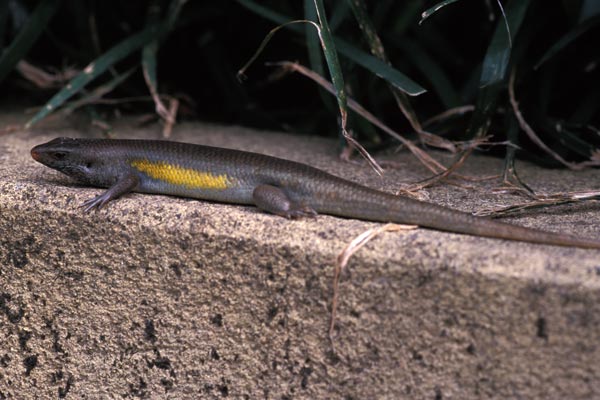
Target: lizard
<point x="282" y="187"/>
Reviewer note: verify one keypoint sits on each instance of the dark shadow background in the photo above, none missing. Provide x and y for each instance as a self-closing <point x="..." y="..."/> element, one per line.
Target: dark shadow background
<point x="211" y="40"/>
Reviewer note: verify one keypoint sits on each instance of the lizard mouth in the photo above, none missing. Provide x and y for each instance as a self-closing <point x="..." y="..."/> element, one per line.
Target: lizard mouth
<point x="35" y="154"/>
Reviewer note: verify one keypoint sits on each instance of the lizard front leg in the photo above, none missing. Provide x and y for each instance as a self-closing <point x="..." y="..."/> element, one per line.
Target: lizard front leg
<point x="123" y="186"/>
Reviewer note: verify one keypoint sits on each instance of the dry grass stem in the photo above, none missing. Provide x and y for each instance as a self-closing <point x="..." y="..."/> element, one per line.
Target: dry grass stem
<point x="43" y="79"/>
<point x="449" y="113"/>
<point x="468" y="149"/>
<point x="171" y="117"/>
<point x="542" y="201"/>
<point x="535" y="138"/>
<point x="429" y="162"/>
<point x="342" y="260"/>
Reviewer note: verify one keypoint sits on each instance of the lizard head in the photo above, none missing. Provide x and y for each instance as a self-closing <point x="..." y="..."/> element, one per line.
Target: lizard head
<point x="65" y="155"/>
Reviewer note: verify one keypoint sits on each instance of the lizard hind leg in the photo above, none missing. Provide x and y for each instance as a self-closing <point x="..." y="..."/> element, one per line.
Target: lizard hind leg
<point x="272" y="199"/>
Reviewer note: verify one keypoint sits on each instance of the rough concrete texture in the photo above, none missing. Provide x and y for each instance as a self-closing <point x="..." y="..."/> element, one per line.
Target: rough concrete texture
<point x="161" y="297"/>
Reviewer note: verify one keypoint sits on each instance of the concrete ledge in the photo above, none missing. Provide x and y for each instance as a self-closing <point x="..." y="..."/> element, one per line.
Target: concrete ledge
<point x="160" y="297"/>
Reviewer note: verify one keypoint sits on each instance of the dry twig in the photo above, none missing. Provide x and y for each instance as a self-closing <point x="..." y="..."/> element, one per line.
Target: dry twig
<point x="344" y="257"/>
<point x="535" y="138"/>
<point x="429" y="162"/>
<point x="43" y="79"/>
<point x="545" y="200"/>
<point x="449" y="113"/>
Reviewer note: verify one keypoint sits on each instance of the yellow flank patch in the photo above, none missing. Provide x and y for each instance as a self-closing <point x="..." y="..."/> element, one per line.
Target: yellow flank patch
<point x="176" y="175"/>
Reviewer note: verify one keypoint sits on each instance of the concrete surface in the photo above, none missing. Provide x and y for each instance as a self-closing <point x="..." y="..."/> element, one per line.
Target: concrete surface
<point x="161" y="297"/>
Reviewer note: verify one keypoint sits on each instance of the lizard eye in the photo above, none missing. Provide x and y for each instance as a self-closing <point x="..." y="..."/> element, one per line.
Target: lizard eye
<point x="59" y="155"/>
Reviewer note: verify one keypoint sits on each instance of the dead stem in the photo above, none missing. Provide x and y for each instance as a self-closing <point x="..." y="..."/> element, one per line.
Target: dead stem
<point x="449" y="113"/>
<point x="344" y="256"/>
<point x="429" y="162"/>
<point x="470" y="146"/>
<point x="171" y="117"/>
<point x="544" y="200"/>
<point x="42" y="79"/>
<point x="534" y="137"/>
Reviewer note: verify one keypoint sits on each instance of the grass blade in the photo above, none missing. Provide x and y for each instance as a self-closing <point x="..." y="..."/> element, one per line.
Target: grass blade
<point x="589" y="8"/>
<point x="266" y="13"/>
<point x="568" y="38"/>
<point x="98" y="92"/>
<point x="27" y="36"/>
<point x="242" y="71"/>
<point x="337" y="79"/>
<point x="96" y="68"/>
<point x="149" y="55"/>
<point x="315" y="55"/>
<point x="440" y="82"/>
<point x="333" y="63"/>
<point x="494" y="68"/>
<point x="379" y="68"/>
<point x="422" y="156"/>
<point x="368" y="29"/>
<point x="568" y="138"/>
<point x="497" y="56"/>
<point x="3" y="18"/>
<point x="339" y="13"/>
<point x="430" y="11"/>
<point x="365" y="60"/>
<point x="313" y="45"/>
<point x="588" y="106"/>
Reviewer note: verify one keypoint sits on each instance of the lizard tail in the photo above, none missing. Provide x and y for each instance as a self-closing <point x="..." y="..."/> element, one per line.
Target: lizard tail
<point x="384" y="207"/>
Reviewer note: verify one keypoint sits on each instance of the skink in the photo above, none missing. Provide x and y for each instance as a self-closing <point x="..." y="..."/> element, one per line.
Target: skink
<point x="278" y="186"/>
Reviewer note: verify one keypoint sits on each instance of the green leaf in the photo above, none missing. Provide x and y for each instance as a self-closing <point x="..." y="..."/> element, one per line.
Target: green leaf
<point x="150" y="50"/>
<point x="568" y="138"/>
<point x="333" y="64"/>
<point x="494" y="68"/>
<point x="27" y="36"/>
<point x="368" y="29"/>
<point x="315" y="55"/>
<point x="149" y="63"/>
<point x="430" y="11"/>
<point x="96" y="68"/>
<point x="484" y="108"/>
<point x="172" y="15"/>
<point x="359" y="8"/>
<point x="338" y="15"/>
<point x="3" y="18"/>
<point x="568" y="38"/>
<point x="588" y="106"/>
<point x="267" y="13"/>
<point x="365" y="60"/>
<point x="404" y="16"/>
<point x="441" y="83"/>
<point x="589" y="9"/>
<point x="379" y="68"/>
<point x="98" y="92"/>
<point x="497" y="57"/>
